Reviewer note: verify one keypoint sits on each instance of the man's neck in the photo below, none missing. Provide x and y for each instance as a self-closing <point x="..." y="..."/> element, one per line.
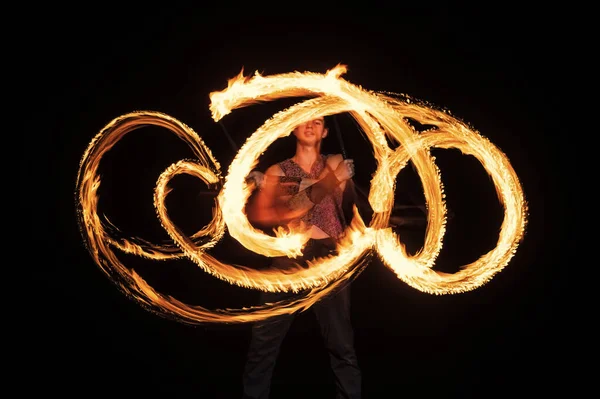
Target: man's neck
<point x="306" y="156"/>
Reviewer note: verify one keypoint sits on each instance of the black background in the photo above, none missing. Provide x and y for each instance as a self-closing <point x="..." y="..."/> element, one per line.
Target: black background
<point x="495" y="70"/>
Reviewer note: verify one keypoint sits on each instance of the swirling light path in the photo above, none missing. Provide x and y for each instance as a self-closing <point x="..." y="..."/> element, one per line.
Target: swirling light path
<point x="381" y="117"/>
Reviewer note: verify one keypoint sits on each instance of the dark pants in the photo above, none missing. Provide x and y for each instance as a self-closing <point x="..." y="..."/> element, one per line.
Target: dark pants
<point x="333" y="316"/>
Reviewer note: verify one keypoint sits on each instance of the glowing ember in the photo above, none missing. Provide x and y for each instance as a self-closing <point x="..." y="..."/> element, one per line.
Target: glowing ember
<point x="379" y="115"/>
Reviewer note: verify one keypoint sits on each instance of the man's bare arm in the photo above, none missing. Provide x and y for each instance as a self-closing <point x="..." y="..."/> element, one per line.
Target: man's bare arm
<point x="280" y="199"/>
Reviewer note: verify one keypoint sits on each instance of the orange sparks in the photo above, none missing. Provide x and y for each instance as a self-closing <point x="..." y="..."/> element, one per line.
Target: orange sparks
<point x="381" y="117"/>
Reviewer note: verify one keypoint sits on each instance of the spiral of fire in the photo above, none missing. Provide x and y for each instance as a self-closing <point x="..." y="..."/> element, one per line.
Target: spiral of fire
<point x="380" y="116"/>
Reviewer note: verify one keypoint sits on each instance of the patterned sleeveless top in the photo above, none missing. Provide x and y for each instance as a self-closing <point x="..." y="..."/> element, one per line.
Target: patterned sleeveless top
<point x="327" y="214"/>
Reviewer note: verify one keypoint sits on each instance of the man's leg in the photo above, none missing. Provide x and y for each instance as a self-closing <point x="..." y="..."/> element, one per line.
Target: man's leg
<point x="333" y="315"/>
<point x="265" y="343"/>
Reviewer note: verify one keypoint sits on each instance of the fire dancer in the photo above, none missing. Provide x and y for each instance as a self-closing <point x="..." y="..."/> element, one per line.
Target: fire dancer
<point x="310" y="188"/>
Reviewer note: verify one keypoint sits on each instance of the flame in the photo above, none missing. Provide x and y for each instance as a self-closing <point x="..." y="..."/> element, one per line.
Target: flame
<point x="381" y="116"/>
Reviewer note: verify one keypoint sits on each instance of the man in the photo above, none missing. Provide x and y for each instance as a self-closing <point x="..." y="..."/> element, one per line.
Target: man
<point x="307" y="187"/>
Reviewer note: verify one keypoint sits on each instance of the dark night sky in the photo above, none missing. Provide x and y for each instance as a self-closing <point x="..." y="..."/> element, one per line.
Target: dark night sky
<point x="490" y="69"/>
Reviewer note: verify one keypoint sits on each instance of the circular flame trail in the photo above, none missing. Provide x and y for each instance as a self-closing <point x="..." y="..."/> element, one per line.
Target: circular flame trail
<point x="381" y="117"/>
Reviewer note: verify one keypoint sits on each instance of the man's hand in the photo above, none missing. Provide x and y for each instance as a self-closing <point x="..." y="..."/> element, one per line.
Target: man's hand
<point x="256" y="177"/>
<point x="345" y="170"/>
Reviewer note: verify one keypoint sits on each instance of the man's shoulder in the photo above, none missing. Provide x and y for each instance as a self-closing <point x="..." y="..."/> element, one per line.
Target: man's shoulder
<point x="334" y="159"/>
<point x="275" y="169"/>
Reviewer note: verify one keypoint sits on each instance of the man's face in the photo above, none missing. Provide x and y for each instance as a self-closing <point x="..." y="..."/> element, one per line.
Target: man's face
<point x="311" y="132"/>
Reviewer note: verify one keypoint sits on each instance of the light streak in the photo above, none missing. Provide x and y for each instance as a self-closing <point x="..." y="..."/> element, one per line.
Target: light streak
<point x="379" y="115"/>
